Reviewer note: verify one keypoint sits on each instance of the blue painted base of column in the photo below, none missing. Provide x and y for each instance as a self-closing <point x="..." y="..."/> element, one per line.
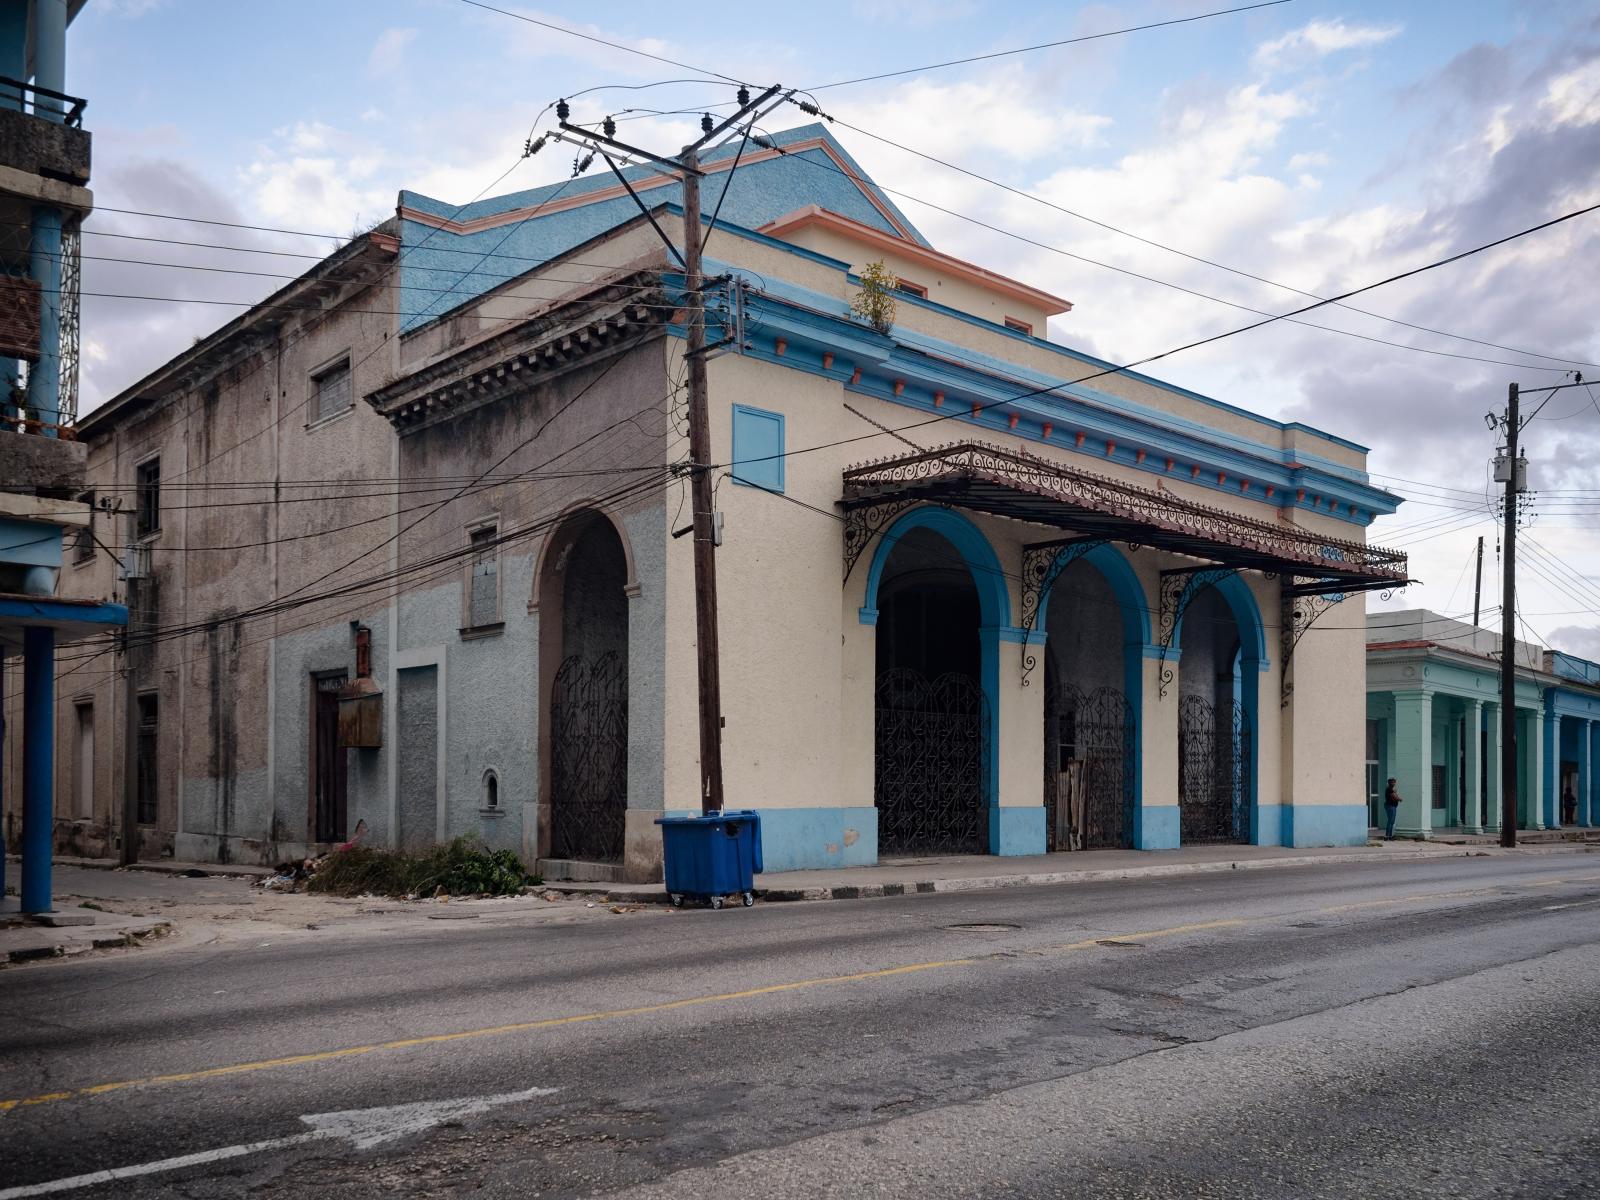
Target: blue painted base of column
<point x="1271" y="826"/>
<point x="1155" y="827"/>
<point x="808" y="839"/>
<point x="1325" y="825"/>
<point x="1014" y="831"/>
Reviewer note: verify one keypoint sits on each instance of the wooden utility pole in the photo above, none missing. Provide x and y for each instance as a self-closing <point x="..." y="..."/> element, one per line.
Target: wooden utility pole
<point x="1508" y="640"/>
<point x="687" y="166"/>
<point x="129" y="853"/>
<point x="1477" y="587"/>
<point x="705" y="559"/>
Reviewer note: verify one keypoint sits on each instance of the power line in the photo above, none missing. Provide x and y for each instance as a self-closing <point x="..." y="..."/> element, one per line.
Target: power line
<point x="1072" y="41"/>
<point x="1025" y="194"/>
<point x="1216" y="337"/>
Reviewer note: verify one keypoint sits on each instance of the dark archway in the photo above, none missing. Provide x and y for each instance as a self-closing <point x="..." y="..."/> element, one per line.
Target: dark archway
<point x="932" y="717"/>
<point x="583" y="670"/>
<point x="1090" y="720"/>
<point x="1216" y="744"/>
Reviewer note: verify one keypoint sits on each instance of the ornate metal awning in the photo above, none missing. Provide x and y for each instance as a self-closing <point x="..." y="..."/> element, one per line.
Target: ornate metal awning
<point x="1012" y="483"/>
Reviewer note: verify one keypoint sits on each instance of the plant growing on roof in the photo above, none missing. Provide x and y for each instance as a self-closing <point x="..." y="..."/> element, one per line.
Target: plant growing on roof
<point x="874" y="303"/>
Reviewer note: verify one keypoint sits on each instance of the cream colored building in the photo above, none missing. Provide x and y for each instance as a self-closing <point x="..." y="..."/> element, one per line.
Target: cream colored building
<point x="979" y="592"/>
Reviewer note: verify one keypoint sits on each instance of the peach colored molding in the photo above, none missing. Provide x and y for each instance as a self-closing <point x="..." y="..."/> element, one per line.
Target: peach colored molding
<point x="948" y="264"/>
<point x="649" y="183"/>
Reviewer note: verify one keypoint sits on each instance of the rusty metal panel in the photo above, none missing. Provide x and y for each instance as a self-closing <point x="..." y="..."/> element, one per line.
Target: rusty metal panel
<point x="361" y="715"/>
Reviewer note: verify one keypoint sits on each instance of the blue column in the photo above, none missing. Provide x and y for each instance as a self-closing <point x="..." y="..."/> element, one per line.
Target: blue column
<point x="44" y="380"/>
<point x="38" y="764"/>
<point x="13" y="65"/>
<point x="50" y="53"/>
<point x="49" y="71"/>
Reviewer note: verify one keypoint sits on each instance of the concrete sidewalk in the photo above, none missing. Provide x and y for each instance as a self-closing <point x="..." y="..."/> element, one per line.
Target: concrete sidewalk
<point x="979" y="872"/>
<point x="69" y="931"/>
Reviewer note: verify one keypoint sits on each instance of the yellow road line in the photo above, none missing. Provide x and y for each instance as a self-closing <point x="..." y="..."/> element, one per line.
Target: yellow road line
<point x="295" y="1060"/>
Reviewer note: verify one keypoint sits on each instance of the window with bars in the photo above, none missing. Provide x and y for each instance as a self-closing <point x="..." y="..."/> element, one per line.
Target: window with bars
<point x="149" y="714"/>
<point x="83" y="539"/>
<point x="147" y="485"/>
<point x="483" y="595"/>
<point x="330" y="391"/>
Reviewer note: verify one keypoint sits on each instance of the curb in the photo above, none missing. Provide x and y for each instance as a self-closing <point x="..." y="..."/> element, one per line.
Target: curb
<point x="116" y="941"/>
<point x="870" y="891"/>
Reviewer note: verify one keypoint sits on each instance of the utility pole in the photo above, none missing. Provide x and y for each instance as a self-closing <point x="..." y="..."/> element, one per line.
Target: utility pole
<point x="1477" y="587"/>
<point x="705" y="556"/>
<point x="130" y="721"/>
<point x="1508" y="640"/>
<point x="687" y="165"/>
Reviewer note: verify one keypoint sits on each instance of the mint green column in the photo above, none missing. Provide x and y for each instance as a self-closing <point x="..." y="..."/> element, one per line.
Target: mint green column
<point x="1472" y="819"/>
<point x="1538" y="724"/>
<point x="1491" y="819"/>
<point x="1412" y="764"/>
<point x="1585" y="735"/>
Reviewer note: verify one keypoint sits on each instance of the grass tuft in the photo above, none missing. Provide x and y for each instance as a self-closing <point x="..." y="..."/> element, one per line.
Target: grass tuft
<point x="464" y="867"/>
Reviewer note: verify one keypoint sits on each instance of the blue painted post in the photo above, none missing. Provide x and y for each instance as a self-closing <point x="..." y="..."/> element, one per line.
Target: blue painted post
<point x="38" y="764"/>
<point x="1491" y="808"/>
<point x="44" y="380"/>
<point x="2" y="775"/>
<point x="49" y="71"/>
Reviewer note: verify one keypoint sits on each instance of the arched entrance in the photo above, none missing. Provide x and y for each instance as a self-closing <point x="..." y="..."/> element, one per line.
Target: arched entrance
<point x="938" y="599"/>
<point x="1094" y="639"/>
<point x="1219" y="668"/>
<point x="583" y="653"/>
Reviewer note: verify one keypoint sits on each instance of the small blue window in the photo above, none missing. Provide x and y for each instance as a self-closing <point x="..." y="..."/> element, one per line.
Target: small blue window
<point x="758" y="448"/>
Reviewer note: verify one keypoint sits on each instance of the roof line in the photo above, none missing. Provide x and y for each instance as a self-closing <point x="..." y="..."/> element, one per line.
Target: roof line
<point x="513" y="216"/>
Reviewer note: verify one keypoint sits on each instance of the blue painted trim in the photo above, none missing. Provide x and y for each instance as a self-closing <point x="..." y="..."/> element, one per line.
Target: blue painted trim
<point x="1016" y="830"/>
<point x="1156" y="827"/>
<point x="1173" y="655"/>
<point x="23" y="611"/>
<point x="924" y="365"/>
<point x="1325" y="825"/>
<point x="772" y="462"/>
<point x="1014" y="635"/>
<point x="810" y="839"/>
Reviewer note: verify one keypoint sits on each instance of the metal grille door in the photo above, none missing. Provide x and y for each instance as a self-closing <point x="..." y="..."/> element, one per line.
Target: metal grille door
<point x="930" y="762"/>
<point x="589" y="758"/>
<point x="1095" y="729"/>
<point x="1214" y="763"/>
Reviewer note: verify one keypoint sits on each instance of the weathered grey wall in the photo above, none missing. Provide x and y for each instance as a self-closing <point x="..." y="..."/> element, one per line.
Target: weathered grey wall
<point x="1085" y="630"/>
<point x="417" y="755"/>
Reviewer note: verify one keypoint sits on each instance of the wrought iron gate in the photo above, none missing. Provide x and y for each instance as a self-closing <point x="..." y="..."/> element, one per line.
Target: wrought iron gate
<point x="1214" y="766"/>
<point x="931" y="755"/>
<point x="589" y="758"/>
<point x="1097" y="730"/>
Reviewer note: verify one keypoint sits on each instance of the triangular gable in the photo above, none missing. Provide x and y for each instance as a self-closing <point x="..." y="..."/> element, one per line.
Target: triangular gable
<point x="450" y="254"/>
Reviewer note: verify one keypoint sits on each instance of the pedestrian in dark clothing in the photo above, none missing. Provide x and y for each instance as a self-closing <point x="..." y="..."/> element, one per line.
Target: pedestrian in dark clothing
<point x="1569" y="805"/>
<point x="1391" y="806"/>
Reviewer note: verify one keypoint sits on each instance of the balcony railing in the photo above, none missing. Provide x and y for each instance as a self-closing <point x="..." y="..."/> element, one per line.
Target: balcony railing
<point x="41" y="100"/>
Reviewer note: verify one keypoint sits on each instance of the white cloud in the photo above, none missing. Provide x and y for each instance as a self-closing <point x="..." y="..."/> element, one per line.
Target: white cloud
<point x="1307" y="161"/>
<point x="1574" y="98"/>
<point x="1580" y="640"/>
<point x="388" y="55"/>
<point x="1320" y="39"/>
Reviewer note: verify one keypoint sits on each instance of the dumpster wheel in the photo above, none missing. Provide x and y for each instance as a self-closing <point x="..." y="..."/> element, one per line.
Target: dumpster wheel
<point x="749" y="899"/>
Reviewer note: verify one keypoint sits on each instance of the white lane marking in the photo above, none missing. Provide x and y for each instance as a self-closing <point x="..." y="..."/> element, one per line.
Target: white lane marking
<point x="363" y="1128"/>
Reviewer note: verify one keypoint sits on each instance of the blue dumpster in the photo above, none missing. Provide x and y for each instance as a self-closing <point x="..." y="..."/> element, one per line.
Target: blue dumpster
<point x="712" y="856"/>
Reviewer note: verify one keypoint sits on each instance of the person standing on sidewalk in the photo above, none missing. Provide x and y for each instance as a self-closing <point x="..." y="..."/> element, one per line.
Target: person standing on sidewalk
<point x="1391" y="806"/>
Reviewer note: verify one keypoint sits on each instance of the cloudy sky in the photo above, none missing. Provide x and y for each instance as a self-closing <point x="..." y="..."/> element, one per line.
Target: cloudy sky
<point x="1315" y="146"/>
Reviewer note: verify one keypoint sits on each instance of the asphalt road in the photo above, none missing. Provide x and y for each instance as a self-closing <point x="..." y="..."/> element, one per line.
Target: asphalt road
<point x="1402" y="1029"/>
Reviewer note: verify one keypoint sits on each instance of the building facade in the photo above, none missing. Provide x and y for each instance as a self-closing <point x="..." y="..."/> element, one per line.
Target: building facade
<point x="1434" y="726"/>
<point x="979" y="592"/>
